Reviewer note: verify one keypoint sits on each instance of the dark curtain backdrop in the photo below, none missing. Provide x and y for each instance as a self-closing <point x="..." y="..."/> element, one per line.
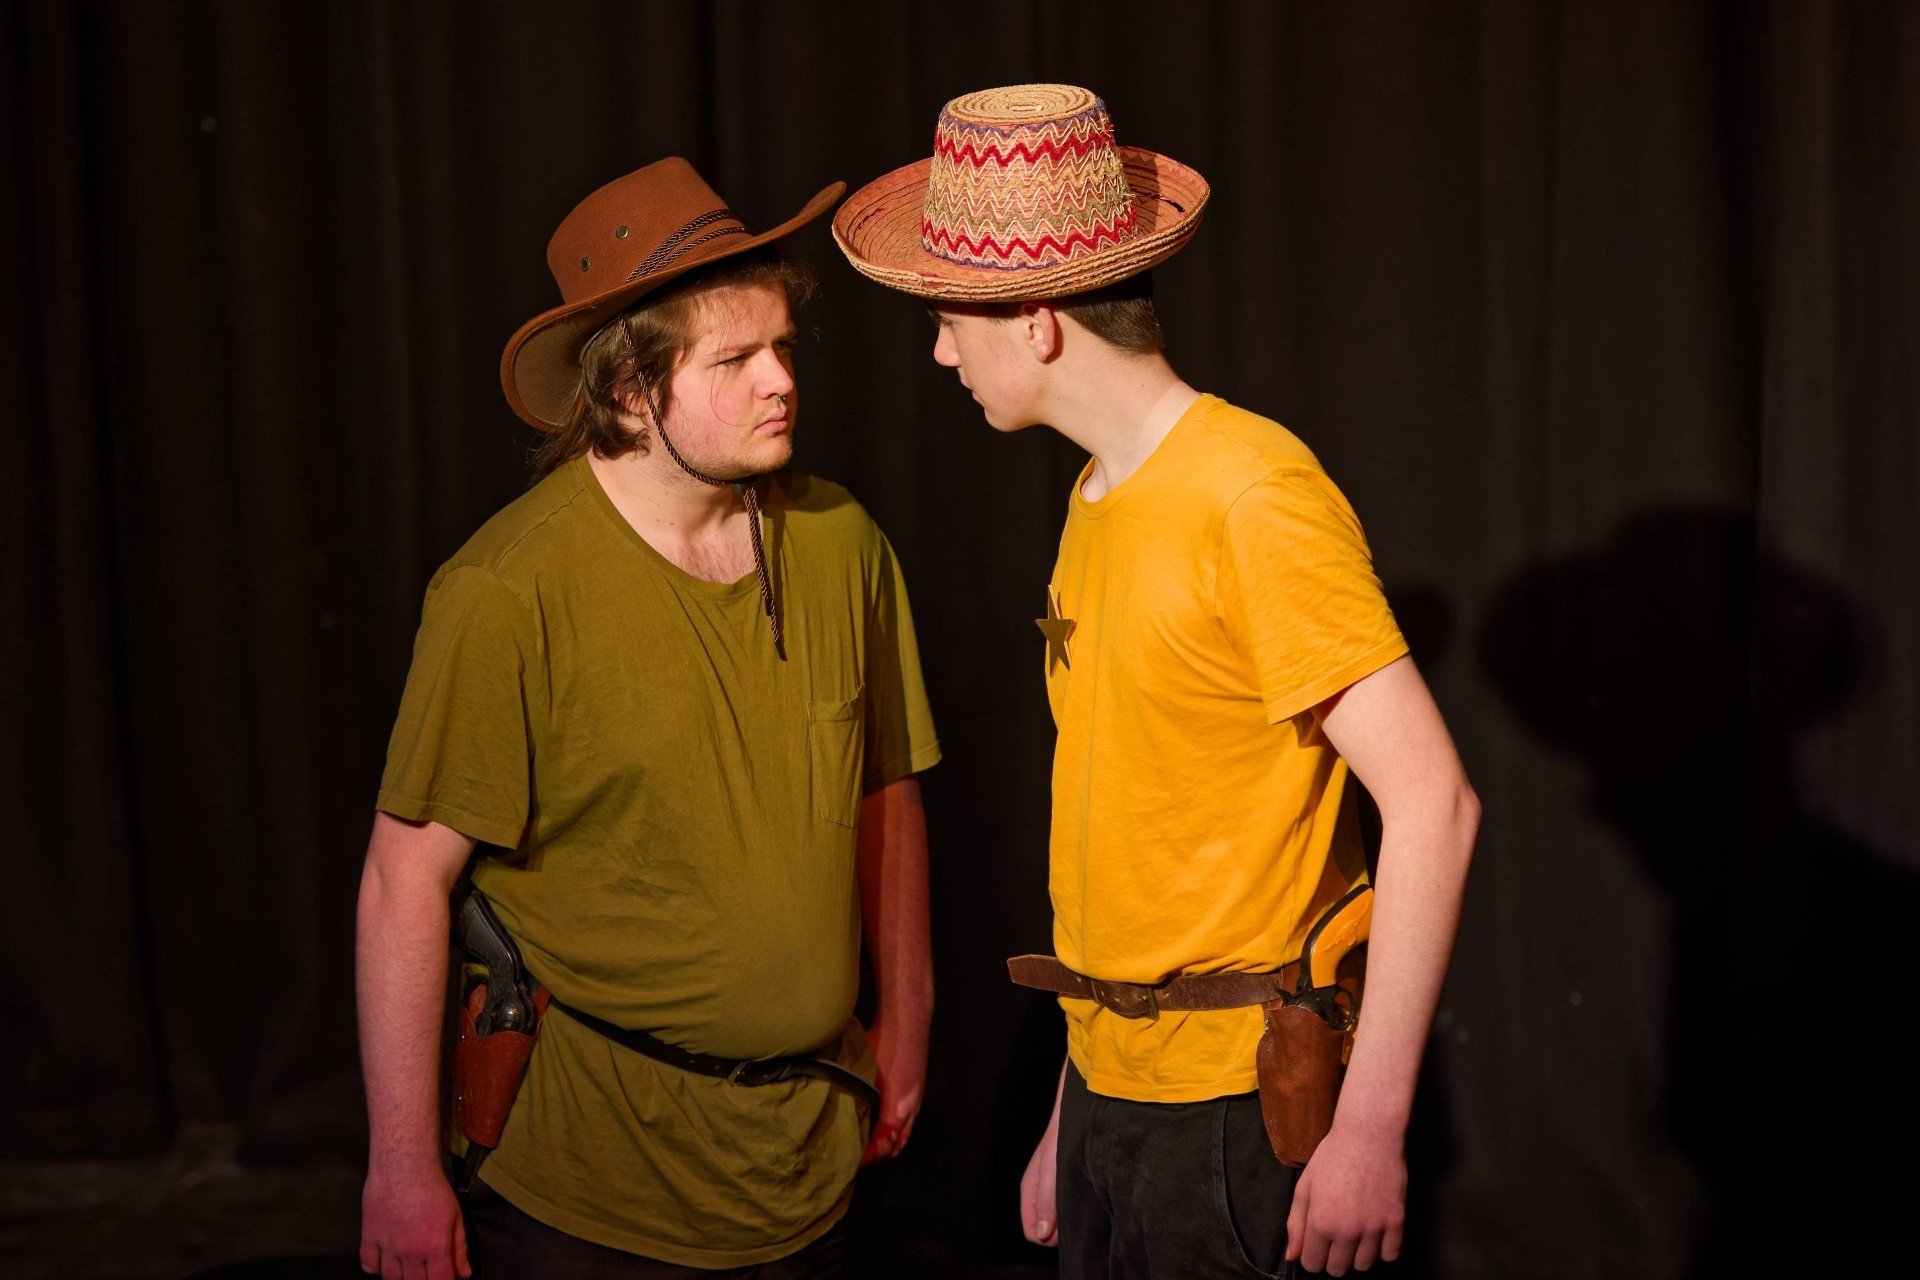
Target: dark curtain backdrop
<point x="1604" y="314"/>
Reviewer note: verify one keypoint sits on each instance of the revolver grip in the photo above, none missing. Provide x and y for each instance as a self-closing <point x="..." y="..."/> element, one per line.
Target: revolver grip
<point x="1345" y="925"/>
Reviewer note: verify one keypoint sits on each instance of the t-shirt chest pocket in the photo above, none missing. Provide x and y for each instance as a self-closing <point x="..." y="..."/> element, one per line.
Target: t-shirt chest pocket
<point x="834" y="745"/>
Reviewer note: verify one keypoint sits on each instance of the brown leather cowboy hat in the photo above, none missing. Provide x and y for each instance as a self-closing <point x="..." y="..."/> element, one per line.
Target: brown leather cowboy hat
<point x="621" y="243"/>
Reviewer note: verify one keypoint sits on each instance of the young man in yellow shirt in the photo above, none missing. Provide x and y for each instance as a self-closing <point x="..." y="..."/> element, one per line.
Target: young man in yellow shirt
<point x="1219" y="657"/>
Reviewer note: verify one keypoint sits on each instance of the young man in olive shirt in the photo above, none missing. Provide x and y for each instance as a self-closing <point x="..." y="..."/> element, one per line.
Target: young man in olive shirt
<point x="677" y="687"/>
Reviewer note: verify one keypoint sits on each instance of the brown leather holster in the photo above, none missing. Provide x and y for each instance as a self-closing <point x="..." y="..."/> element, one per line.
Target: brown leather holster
<point x="1301" y="1061"/>
<point x="487" y="1069"/>
<point x="497" y="1015"/>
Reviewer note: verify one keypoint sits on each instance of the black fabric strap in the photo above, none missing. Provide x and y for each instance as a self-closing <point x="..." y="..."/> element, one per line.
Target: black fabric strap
<point x="749" y="492"/>
<point x="746" y="1071"/>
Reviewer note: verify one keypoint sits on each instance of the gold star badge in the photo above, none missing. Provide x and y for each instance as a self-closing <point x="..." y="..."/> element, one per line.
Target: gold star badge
<point x="1056" y="629"/>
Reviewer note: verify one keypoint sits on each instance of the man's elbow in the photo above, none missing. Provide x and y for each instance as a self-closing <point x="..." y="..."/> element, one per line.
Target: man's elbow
<point x="1464" y="818"/>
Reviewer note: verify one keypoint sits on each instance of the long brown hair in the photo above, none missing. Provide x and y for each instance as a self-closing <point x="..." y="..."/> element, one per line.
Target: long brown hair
<point x="636" y="352"/>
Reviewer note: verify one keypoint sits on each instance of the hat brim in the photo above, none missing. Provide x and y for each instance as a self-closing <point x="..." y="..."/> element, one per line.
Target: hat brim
<point x="878" y="228"/>
<point x="540" y="368"/>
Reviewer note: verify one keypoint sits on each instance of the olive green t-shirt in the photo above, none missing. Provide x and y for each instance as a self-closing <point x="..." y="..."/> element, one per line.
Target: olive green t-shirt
<point x="674" y="806"/>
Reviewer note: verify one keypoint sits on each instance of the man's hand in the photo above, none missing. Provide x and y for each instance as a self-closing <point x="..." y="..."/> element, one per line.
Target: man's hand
<point x="1039" y="1212"/>
<point x="410" y="1228"/>
<point x="1039" y="1217"/>
<point x="1349" y="1206"/>
<point x="902" y="1081"/>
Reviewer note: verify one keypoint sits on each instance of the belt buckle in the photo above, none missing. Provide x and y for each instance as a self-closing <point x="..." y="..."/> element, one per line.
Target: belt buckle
<point x="758" y="1071"/>
<point x="1126" y="999"/>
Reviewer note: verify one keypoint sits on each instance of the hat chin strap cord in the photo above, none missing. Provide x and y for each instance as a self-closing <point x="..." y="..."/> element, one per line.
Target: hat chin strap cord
<point x="749" y="492"/>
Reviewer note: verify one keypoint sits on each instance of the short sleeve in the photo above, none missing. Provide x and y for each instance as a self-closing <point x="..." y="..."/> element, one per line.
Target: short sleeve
<point x="461" y="751"/>
<point x="1298" y="595"/>
<point x="899" y="723"/>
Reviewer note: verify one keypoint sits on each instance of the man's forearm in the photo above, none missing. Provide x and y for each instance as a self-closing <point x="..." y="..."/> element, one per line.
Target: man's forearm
<point x="1419" y="886"/>
<point x="893" y="905"/>
<point x="401" y="983"/>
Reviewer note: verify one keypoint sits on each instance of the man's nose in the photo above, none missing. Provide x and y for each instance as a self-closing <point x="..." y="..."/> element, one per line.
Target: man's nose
<point x="777" y="380"/>
<point x="943" y="349"/>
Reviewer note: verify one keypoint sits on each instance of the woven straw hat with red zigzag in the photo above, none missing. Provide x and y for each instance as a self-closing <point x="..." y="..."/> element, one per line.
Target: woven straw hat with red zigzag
<point x="1025" y="197"/>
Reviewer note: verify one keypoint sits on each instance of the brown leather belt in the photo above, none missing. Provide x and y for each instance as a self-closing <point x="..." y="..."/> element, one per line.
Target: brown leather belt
<point x="1141" y="1000"/>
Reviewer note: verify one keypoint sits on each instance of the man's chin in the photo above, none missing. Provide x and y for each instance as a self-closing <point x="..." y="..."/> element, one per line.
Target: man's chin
<point x="767" y="455"/>
<point x="778" y="454"/>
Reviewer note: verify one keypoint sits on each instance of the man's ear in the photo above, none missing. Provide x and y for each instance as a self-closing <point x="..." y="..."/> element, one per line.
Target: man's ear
<point x="1040" y="329"/>
<point x="632" y="399"/>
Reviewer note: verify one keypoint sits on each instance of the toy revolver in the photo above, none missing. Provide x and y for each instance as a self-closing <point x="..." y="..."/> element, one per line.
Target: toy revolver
<point x="1345" y="925"/>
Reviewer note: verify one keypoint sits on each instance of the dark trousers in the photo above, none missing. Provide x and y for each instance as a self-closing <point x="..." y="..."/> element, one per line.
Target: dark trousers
<point x="1169" y="1190"/>
<point x="505" y="1244"/>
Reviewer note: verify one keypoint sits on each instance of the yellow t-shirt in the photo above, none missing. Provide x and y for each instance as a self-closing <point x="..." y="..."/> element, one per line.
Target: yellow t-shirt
<point x="674" y="807"/>
<point x="1201" y="819"/>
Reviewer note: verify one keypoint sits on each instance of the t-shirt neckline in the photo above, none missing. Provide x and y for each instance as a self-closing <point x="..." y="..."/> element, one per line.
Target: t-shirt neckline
<point x="1095" y="508"/>
<point x="747" y="582"/>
